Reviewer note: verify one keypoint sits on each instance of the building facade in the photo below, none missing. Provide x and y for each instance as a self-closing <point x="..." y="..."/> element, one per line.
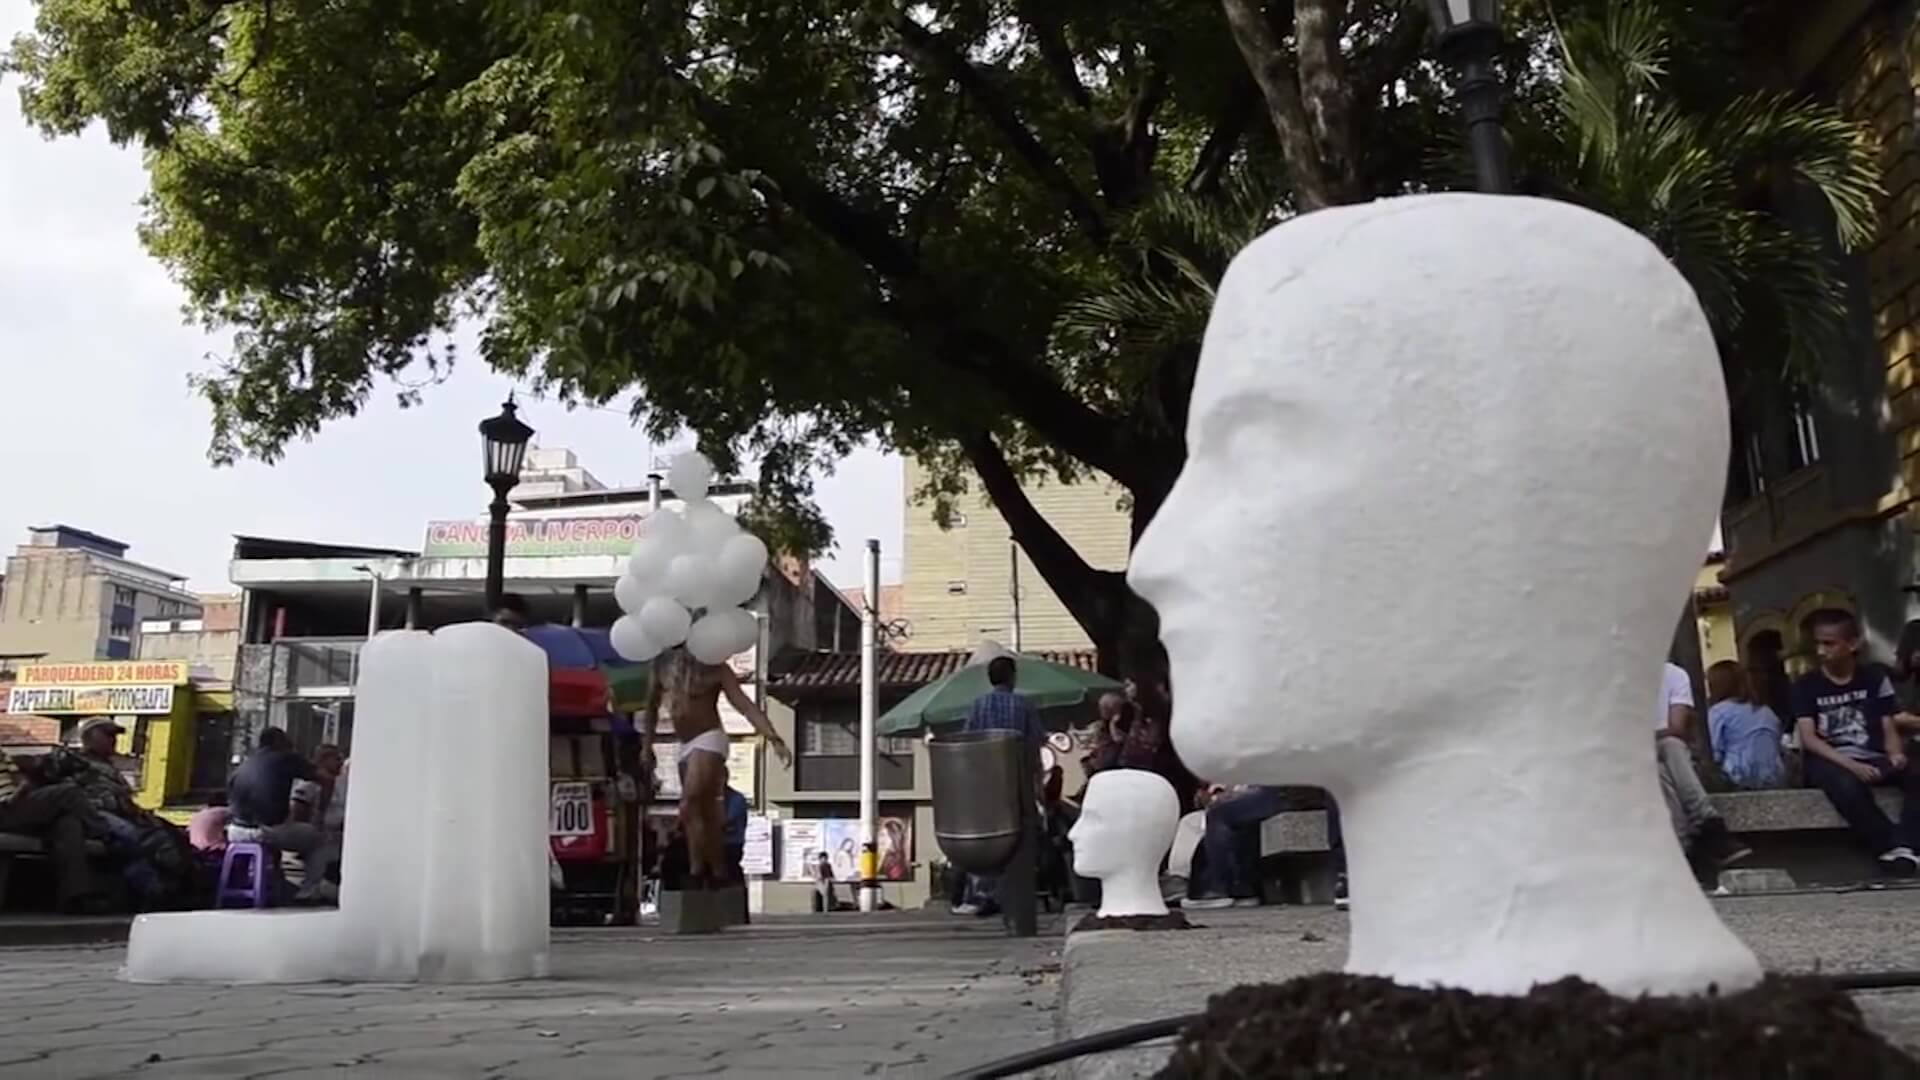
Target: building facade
<point x="1821" y="509"/>
<point x="969" y="582"/>
<point x="74" y="595"/>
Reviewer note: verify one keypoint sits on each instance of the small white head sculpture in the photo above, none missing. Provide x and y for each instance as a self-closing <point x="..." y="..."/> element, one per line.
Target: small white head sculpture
<point x="1127" y="822"/>
<point x="1452" y="464"/>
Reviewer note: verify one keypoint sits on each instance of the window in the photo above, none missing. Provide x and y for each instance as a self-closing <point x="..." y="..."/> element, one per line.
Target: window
<point x="122" y="596"/>
<point x="1805" y="447"/>
<point x="121" y="628"/>
<point x="320" y="665"/>
<point x="837" y="738"/>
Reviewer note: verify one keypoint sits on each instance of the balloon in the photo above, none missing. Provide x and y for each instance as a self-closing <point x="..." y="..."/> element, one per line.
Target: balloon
<point x="690" y="580"/>
<point x="711" y="526"/>
<point x="689" y="474"/>
<point x="630" y="593"/>
<point x="721" y="634"/>
<point x="664" y="621"/>
<point x="632" y="642"/>
<point x="739" y="565"/>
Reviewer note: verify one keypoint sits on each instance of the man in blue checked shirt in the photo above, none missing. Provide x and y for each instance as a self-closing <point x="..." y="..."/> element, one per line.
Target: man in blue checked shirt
<point x="1000" y="709"/>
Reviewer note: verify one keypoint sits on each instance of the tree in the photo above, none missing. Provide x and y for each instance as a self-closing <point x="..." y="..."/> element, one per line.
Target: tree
<point x="1701" y="179"/>
<point x="788" y="227"/>
<point x="982" y="231"/>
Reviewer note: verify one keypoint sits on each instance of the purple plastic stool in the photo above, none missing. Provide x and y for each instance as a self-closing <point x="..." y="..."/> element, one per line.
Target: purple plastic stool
<point x="261" y="866"/>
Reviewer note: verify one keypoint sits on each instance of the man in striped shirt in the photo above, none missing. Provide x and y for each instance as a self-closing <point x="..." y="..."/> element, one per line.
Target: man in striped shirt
<point x="59" y="815"/>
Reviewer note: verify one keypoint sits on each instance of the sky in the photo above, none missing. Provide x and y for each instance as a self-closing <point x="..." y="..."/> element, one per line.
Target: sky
<point x="102" y="431"/>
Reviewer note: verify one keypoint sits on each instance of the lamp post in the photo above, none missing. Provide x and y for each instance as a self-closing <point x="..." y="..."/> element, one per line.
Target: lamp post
<point x="1469" y="35"/>
<point x="504" y="440"/>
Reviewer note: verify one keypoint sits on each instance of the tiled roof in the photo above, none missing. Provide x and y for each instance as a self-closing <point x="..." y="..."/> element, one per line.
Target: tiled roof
<point x="834" y="671"/>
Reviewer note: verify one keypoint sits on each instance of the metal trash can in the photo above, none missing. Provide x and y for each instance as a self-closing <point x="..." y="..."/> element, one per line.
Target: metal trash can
<point x="978" y="785"/>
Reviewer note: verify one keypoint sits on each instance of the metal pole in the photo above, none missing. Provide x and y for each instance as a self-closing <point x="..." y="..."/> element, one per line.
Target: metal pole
<point x="416" y="598"/>
<point x="653" y="491"/>
<point x="373" y="603"/>
<point x="1480" y="98"/>
<point x="1013" y="577"/>
<point x="579" y="606"/>
<point x="762" y="648"/>
<point x="497" y="548"/>
<point x="869" y="737"/>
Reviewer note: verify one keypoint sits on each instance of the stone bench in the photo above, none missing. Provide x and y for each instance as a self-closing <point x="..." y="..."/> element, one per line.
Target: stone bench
<point x="1791" y="830"/>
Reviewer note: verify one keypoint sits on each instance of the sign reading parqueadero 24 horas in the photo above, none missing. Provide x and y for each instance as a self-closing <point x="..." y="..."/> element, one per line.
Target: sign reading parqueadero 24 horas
<point x="109" y="688"/>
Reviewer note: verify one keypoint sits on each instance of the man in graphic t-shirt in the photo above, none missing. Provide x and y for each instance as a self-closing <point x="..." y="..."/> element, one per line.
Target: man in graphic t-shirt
<point x="1844" y="713"/>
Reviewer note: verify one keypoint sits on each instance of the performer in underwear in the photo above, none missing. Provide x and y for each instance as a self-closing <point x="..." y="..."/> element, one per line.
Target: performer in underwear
<point x="690" y="692"/>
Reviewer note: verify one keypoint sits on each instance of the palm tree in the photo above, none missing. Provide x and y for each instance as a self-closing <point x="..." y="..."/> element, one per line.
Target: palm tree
<point x="1612" y="135"/>
<point x="1702" y="183"/>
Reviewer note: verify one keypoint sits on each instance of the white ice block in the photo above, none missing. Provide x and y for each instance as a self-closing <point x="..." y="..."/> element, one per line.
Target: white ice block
<point x="445" y="867"/>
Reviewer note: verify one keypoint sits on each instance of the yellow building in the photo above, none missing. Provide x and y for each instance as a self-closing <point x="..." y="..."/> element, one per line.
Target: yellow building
<point x="154" y="700"/>
<point x="1822" y="511"/>
<point x="958" y="584"/>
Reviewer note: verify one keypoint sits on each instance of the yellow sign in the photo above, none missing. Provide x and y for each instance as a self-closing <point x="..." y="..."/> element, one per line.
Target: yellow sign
<point x="92" y="700"/>
<point x="103" y="673"/>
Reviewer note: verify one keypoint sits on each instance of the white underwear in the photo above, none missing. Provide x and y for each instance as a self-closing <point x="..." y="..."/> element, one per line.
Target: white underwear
<point x="714" y="741"/>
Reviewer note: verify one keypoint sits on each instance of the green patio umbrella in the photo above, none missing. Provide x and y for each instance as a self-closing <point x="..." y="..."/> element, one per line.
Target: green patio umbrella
<point x="944" y="701"/>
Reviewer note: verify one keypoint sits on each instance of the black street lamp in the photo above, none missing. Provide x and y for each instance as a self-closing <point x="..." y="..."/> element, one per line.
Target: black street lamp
<point x="1469" y="33"/>
<point x="504" y="440"/>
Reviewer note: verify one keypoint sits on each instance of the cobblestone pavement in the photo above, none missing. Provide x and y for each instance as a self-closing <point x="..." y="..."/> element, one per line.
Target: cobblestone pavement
<point x="900" y="995"/>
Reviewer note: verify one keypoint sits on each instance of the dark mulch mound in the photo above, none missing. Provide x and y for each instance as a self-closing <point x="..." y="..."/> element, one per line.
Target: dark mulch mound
<point x="1347" y="1025"/>
<point x="1172" y="920"/>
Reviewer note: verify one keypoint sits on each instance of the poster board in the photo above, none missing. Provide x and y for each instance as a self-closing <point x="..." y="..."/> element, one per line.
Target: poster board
<point x="894" y="845"/>
<point x="756" y="859"/>
<point x="800" y="841"/>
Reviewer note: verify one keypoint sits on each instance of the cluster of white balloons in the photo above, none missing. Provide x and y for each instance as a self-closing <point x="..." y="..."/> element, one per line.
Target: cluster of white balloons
<point x="688" y="575"/>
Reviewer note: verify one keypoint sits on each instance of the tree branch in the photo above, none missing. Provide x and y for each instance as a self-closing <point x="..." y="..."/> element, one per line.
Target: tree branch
<point x="1317" y="28"/>
<point x="1027" y="391"/>
<point x="1222" y="140"/>
<point x="1087" y="593"/>
<point x="1273" y="72"/>
<point x="262" y="40"/>
<point x="1392" y="54"/>
<point x="935" y="55"/>
<point x="1124" y="149"/>
<point x="1050" y="35"/>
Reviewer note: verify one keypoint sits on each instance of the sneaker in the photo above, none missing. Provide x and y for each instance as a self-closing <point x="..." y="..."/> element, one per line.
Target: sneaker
<point x="1246" y="901"/>
<point x="1900" y="862"/>
<point x="1340" y="892"/>
<point x="1715" y="844"/>
<point x="1210" y="903"/>
<point x="966" y="909"/>
<point x="1173" y="889"/>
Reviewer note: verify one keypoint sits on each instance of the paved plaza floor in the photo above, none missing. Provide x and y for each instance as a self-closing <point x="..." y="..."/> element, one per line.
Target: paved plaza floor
<point x="1116" y="978"/>
<point x="897" y="994"/>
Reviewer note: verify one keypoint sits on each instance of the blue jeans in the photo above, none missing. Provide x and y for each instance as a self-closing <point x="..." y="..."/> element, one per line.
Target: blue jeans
<point x="1853" y="798"/>
<point x="1233" y="870"/>
<point x="123" y="839"/>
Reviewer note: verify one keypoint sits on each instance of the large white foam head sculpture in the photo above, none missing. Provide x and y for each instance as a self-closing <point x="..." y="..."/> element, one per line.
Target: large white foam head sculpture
<point x="435" y="884"/>
<point x="1127" y="822"/>
<point x="1452" y="461"/>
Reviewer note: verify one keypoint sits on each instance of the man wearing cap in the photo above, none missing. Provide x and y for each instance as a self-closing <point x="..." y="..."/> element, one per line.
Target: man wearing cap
<point x="60" y="816"/>
<point x="159" y="860"/>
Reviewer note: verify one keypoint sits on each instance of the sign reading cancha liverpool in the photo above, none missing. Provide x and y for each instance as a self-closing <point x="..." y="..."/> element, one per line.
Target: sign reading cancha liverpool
<point x="536" y="537"/>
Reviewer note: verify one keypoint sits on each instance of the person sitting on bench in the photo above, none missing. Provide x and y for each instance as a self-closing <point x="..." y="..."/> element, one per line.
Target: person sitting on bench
<point x="60" y="816"/>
